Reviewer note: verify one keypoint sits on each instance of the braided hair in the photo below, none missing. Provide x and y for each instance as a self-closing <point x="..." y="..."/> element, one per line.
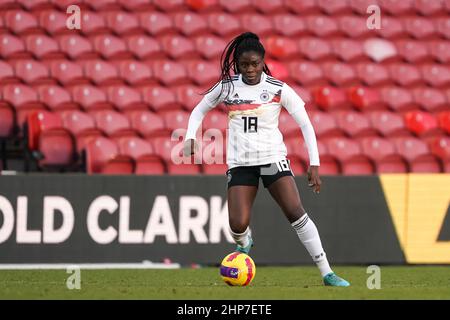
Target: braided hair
<point x="247" y="41"/>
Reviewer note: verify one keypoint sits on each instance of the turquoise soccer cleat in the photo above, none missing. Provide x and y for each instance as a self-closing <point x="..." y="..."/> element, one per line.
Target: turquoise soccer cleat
<point x="333" y="280"/>
<point x="246" y="249"/>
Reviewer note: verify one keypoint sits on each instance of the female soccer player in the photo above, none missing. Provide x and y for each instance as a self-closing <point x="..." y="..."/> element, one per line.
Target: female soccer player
<point x="255" y="147"/>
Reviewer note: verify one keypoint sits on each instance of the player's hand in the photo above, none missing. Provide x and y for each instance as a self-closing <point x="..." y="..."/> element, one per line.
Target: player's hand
<point x="313" y="179"/>
<point x="190" y="147"/>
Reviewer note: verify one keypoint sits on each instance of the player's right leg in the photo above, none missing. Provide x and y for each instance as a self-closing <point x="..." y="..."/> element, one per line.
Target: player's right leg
<point x="242" y="189"/>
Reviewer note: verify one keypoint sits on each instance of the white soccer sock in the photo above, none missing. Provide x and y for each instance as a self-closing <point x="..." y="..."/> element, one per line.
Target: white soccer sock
<point x="242" y="239"/>
<point x="309" y="236"/>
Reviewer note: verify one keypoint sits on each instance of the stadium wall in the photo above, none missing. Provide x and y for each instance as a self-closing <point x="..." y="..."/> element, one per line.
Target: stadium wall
<point x="391" y="219"/>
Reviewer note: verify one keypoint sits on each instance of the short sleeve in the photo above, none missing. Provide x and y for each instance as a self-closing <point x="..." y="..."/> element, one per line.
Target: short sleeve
<point x="290" y="100"/>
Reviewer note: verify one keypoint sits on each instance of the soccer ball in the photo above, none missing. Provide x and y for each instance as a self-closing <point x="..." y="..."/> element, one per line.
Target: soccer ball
<point x="237" y="269"/>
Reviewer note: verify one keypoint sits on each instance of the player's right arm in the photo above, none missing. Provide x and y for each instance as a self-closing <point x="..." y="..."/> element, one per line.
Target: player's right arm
<point x="209" y="101"/>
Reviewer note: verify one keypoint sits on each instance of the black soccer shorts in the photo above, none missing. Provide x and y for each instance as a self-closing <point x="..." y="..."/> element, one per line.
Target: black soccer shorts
<point x="249" y="175"/>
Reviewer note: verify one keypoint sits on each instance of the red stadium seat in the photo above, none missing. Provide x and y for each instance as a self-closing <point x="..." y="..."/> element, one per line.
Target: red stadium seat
<point x="302" y="6"/>
<point x="420" y="123"/>
<point x="67" y="73"/>
<point x="188" y="96"/>
<point x="442" y="26"/>
<point x="136" y="73"/>
<point x="82" y="126"/>
<point x="136" y="5"/>
<point x="350" y="156"/>
<point x="289" y="25"/>
<point x="6" y="121"/>
<point x="47" y="135"/>
<point x="429" y="8"/>
<point x="144" y="47"/>
<point x="203" y="73"/>
<point x="380" y="50"/>
<point x="170" y="73"/>
<point x="307" y="73"/>
<point x="102" y="156"/>
<point x="213" y="151"/>
<point x="122" y="23"/>
<point x="348" y="50"/>
<point x="305" y="95"/>
<point x="110" y="47"/>
<point x="204" y="5"/>
<point x="178" y="47"/>
<point x="156" y="23"/>
<point x="440" y="147"/>
<point x="397" y="7"/>
<point x="113" y="124"/>
<point x="321" y="26"/>
<point x="101" y="73"/>
<point x="32" y="5"/>
<point x="419" y="27"/>
<point x="281" y="48"/>
<point x="183" y="169"/>
<point x="391" y="28"/>
<point x="21" y="22"/>
<point x="444" y="121"/>
<point x="340" y="74"/>
<point x="237" y="6"/>
<point x="167" y="149"/>
<point x="147" y="123"/>
<point x="190" y="24"/>
<point x="330" y="98"/>
<point x="269" y="6"/>
<point x="43" y="47"/>
<point x="398" y="99"/>
<point x="32" y="72"/>
<point x="214" y="169"/>
<point x="331" y="7"/>
<point x="354" y="26"/>
<point x="257" y="23"/>
<point x="382" y="152"/>
<point x="90" y="98"/>
<point x="12" y="47"/>
<point x="315" y="48"/>
<point x="149" y="165"/>
<point x="54" y="22"/>
<point x="104" y="5"/>
<point x="55" y="98"/>
<point x="324" y="125"/>
<point x="373" y="74"/>
<point x="436" y="75"/>
<point x="159" y="98"/>
<point x="440" y="50"/>
<point x="76" y="47"/>
<point x="175" y="119"/>
<point x="405" y="75"/>
<point x="170" y="6"/>
<point x="23" y="99"/>
<point x="278" y="69"/>
<point x="388" y="124"/>
<point x="63" y="4"/>
<point x="125" y="98"/>
<point x="134" y="147"/>
<point x="7" y="73"/>
<point x="93" y="24"/>
<point x="430" y="99"/>
<point x="223" y="24"/>
<point x="413" y="51"/>
<point x="418" y="155"/>
<point x="209" y="46"/>
<point x="354" y="124"/>
<point x="365" y="98"/>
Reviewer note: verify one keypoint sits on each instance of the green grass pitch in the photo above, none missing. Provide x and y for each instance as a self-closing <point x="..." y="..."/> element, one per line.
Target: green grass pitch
<point x="298" y="283"/>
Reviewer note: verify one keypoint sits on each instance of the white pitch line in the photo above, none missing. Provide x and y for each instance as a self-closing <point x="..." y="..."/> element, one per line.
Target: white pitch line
<point x="92" y="266"/>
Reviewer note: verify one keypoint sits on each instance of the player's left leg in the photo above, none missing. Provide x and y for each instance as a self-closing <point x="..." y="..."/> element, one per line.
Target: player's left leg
<point x="284" y="191"/>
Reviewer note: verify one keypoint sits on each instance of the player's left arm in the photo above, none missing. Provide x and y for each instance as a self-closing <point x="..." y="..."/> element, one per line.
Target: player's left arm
<point x="296" y="108"/>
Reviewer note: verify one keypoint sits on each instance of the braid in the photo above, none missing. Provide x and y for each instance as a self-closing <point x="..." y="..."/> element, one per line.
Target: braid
<point x="245" y="42"/>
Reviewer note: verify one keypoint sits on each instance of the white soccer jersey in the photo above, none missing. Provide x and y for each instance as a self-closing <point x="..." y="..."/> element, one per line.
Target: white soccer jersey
<point x="253" y="136"/>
